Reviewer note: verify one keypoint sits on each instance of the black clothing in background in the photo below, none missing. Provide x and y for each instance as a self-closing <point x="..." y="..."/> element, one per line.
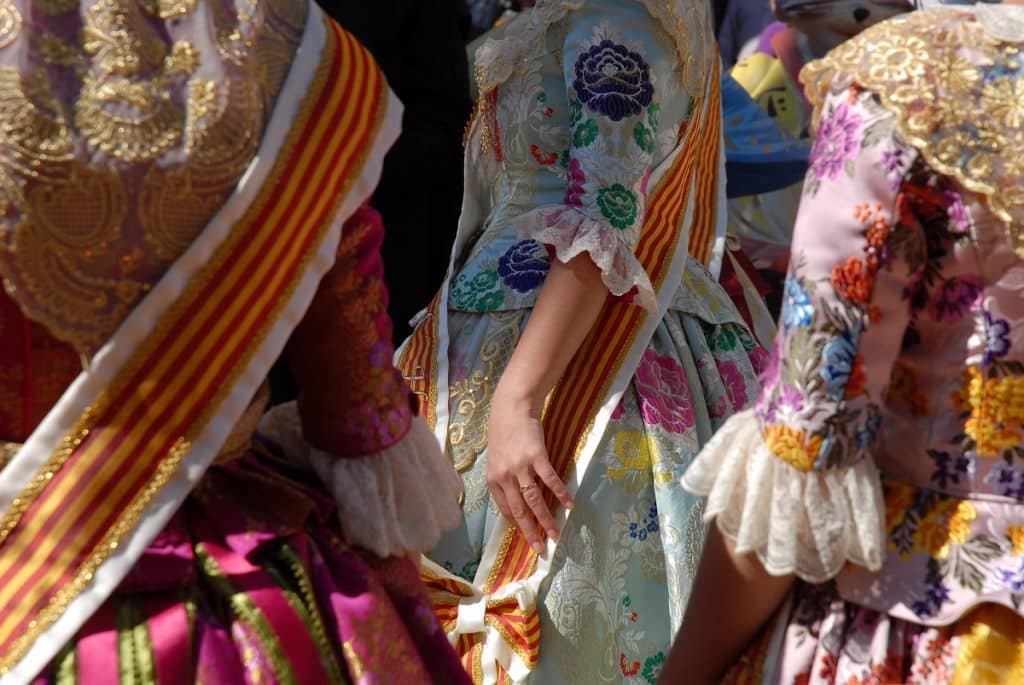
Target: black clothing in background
<point x="420" y="46"/>
<point x="738" y="21"/>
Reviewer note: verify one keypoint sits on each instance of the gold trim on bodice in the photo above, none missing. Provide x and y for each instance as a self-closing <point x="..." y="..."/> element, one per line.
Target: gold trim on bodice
<point x="957" y="94"/>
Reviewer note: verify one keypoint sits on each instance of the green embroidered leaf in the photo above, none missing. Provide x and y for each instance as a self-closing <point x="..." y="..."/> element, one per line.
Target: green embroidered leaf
<point x="584" y="134"/>
<point x="619" y="205"/>
<point x="644" y="139"/>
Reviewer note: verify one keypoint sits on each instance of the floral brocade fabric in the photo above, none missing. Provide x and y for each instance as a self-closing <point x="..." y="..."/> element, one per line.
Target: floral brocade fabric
<point x="901" y="341"/>
<point x="570" y="141"/>
<point x="351" y="305"/>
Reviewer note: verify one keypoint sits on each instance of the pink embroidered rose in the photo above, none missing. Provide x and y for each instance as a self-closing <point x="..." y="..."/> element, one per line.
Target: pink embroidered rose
<point x="735" y="384"/>
<point x="664" y="397"/>
<point x="759" y="359"/>
<point x="574" y="191"/>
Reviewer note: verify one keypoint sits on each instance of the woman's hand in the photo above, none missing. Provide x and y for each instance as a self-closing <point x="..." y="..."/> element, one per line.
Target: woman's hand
<point x="518" y="468"/>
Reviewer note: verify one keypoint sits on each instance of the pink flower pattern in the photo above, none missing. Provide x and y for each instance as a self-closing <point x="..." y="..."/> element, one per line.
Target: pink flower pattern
<point x="735" y="383"/>
<point x="664" y="398"/>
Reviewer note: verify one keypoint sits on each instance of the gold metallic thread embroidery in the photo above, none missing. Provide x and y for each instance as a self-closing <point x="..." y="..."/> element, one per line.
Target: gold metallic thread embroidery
<point x="168" y="467"/>
<point x="10" y="23"/>
<point x="172" y="114"/>
<point x="917" y="65"/>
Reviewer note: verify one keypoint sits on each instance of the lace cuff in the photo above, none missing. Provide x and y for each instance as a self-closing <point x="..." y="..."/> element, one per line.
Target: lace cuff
<point x="393" y="502"/>
<point x="571" y="232"/>
<point x="809" y="523"/>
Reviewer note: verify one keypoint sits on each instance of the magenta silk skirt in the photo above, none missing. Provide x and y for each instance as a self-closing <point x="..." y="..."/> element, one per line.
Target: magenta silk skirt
<point x="250" y="582"/>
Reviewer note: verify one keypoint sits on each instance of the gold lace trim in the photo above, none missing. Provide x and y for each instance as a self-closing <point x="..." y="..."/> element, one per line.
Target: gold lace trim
<point x="957" y="94"/>
<point x="177" y="122"/>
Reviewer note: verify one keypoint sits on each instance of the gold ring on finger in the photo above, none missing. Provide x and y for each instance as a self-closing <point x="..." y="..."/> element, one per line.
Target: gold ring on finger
<point x="528" y="486"/>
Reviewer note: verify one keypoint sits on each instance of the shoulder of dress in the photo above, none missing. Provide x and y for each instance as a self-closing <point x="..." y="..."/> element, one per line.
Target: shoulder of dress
<point x="687" y="22"/>
<point x="949" y="81"/>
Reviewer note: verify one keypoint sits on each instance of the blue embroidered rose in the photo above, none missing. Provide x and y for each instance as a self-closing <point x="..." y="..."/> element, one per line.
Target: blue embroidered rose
<point x="524" y="266"/>
<point x="840" y="355"/>
<point x="640" y="531"/>
<point x="612" y="80"/>
<point x="797" y="309"/>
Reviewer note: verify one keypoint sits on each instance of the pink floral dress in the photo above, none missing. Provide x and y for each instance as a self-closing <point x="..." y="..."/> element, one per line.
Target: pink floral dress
<point x="883" y="459"/>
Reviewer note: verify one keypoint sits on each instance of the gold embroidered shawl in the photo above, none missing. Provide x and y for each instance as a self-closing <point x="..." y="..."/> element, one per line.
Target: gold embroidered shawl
<point x="125" y="126"/>
<point x="956" y="87"/>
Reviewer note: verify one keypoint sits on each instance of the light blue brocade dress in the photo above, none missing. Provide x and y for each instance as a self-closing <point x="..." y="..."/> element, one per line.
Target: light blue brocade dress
<point x="562" y="168"/>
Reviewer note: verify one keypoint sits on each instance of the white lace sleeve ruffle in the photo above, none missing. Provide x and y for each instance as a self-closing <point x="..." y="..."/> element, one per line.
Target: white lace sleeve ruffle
<point x="807" y="523"/>
<point x="394" y="502"/>
<point x="571" y="232"/>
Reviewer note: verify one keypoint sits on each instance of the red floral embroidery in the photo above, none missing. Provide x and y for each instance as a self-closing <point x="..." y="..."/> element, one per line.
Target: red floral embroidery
<point x="853" y="281"/>
<point x="858" y="379"/>
<point x="829" y="667"/>
<point x="544" y="158"/>
<point x="628" y="670"/>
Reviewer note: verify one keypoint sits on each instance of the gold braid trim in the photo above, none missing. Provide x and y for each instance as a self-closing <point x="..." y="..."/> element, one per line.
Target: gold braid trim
<point x="957" y="95"/>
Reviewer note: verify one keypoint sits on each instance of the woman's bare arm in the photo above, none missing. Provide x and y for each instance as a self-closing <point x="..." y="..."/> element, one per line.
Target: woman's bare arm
<point x="567" y="307"/>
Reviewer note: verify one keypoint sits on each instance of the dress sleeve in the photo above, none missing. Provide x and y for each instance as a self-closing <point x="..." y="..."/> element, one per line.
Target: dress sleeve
<point x="794" y="479"/>
<point x="353" y="421"/>
<point x="615" y="76"/>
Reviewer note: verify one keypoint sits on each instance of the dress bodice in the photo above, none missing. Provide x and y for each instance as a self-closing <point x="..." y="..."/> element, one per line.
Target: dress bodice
<point x="568" y="141"/>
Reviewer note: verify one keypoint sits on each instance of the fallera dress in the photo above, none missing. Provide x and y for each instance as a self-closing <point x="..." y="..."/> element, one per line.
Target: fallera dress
<point x="583" y="107"/>
<point x="882" y="463"/>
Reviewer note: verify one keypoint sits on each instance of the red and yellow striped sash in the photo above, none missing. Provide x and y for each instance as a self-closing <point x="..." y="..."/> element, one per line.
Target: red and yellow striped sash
<point x="574" y="403"/>
<point x="100" y="481"/>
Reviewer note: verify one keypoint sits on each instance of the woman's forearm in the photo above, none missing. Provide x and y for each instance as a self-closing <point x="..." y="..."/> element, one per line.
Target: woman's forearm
<point x="517" y="463"/>
<point x="732" y="597"/>
<point x="567" y="307"/>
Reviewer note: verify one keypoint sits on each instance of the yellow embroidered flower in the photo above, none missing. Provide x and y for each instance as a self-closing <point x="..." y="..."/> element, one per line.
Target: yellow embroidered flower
<point x="792" y="445"/>
<point x="996" y="407"/>
<point x="899" y="498"/>
<point x="948" y="523"/>
<point x="990" y="439"/>
<point x="1004" y="98"/>
<point x="633" y="452"/>
<point x="1015" y="534"/>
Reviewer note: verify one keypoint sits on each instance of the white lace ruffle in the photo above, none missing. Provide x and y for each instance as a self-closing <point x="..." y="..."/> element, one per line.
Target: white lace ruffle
<point x="571" y="232"/>
<point x="394" y="502"/>
<point x="807" y="523"/>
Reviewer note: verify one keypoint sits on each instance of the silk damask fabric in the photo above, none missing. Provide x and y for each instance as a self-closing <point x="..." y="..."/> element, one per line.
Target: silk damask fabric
<point x="889" y="430"/>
